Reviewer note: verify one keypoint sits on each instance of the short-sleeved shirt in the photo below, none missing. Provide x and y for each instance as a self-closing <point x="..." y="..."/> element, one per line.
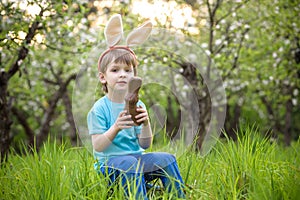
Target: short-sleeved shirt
<point x="101" y="117"/>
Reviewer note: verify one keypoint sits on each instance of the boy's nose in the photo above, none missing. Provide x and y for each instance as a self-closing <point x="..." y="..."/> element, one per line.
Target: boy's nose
<point x="122" y="73"/>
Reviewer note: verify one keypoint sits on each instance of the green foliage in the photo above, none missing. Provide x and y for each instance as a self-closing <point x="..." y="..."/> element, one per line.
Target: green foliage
<point x="263" y="36"/>
<point x="269" y="60"/>
<point x="54" y="54"/>
<point x="251" y="168"/>
<point x="254" y="45"/>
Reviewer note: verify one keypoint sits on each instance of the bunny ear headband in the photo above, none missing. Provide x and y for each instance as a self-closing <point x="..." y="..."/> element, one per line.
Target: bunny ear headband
<point x="113" y="33"/>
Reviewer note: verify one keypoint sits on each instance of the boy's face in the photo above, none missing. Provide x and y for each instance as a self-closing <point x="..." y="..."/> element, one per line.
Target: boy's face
<point x="117" y="76"/>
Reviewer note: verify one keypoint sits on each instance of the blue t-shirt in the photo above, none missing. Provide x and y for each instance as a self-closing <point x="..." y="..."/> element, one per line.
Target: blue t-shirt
<point x="101" y="117"/>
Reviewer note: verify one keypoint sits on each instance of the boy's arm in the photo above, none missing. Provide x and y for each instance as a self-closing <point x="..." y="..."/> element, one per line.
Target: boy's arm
<point x="102" y="141"/>
<point x="145" y="137"/>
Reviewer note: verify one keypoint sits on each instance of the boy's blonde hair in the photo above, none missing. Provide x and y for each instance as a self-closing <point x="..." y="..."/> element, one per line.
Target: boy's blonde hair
<point x="116" y="55"/>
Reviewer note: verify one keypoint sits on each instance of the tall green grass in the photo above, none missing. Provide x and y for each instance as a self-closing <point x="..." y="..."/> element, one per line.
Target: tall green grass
<point x="250" y="168"/>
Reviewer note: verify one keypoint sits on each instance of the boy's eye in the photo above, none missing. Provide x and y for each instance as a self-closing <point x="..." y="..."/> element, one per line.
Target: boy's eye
<point x="113" y="70"/>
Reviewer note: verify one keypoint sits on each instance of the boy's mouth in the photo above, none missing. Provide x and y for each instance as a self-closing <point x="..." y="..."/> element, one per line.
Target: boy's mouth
<point x="122" y="82"/>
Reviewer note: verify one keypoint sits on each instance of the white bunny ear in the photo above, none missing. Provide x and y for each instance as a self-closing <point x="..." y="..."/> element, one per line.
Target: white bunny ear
<point x="139" y="35"/>
<point x="114" y="30"/>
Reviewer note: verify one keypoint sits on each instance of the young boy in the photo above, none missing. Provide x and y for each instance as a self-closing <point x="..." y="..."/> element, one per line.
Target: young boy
<point x="118" y="142"/>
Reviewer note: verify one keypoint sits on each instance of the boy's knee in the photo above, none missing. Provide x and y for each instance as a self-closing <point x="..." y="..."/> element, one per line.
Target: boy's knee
<point x="128" y="164"/>
<point x="129" y="160"/>
<point x="170" y="158"/>
<point x="158" y="160"/>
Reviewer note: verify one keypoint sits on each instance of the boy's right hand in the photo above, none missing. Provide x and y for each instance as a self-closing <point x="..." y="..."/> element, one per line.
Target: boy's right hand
<point x="124" y="121"/>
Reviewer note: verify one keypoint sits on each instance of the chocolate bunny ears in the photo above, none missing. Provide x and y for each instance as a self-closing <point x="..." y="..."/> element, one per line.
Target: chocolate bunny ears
<point x="113" y="33"/>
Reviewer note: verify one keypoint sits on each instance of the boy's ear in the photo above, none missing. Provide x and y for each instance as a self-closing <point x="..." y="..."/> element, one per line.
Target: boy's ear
<point x="102" y="78"/>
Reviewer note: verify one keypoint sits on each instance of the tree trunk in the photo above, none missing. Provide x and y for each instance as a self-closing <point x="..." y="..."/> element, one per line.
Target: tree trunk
<point x="69" y="115"/>
<point x="21" y="116"/>
<point x="173" y="120"/>
<point x="204" y="119"/>
<point x="288" y="122"/>
<point x="45" y="127"/>
<point x="233" y="121"/>
<point x="273" y="117"/>
<point x="5" y="121"/>
<point x="199" y="96"/>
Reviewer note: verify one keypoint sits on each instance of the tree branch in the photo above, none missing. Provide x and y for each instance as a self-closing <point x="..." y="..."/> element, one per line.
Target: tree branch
<point x="23" y="52"/>
<point x="62" y="50"/>
<point x="236" y="58"/>
<point x="229" y="13"/>
<point x="45" y="127"/>
<point x="20" y="115"/>
<point x="227" y="38"/>
<point x="212" y="14"/>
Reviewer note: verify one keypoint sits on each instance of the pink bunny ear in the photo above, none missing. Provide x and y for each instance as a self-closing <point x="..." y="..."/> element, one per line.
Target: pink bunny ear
<point x="139" y="35"/>
<point x="114" y="30"/>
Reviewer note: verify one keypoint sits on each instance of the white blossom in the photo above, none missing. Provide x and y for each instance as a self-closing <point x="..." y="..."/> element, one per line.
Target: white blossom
<point x="204" y="45"/>
<point x="294" y="102"/>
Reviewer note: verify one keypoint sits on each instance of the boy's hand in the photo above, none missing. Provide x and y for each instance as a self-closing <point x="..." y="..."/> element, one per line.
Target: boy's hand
<point x="143" y="116"/>
<point x="124" y="121"/>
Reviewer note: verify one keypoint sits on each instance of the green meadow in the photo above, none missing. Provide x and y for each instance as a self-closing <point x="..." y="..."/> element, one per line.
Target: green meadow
<point x="253" y="167"/>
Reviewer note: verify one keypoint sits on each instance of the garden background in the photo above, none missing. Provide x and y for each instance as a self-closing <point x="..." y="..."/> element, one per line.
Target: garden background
<point x="253" y="45"/>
